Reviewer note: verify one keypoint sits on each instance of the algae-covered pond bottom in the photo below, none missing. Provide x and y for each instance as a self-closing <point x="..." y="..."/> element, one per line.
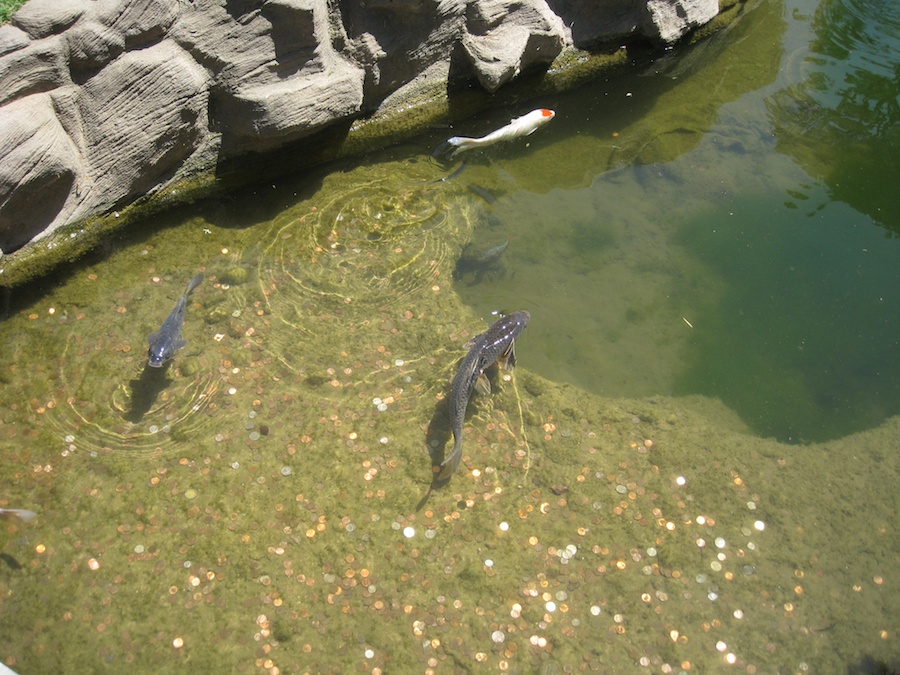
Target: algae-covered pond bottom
<point x="693" y="468"/>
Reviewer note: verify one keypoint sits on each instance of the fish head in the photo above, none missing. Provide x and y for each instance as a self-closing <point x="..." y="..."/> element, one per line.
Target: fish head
<point x="535" y="120"/>
<point x="163" y="346"/>
<point x="158" y="353"/>
<point x="519" y="318"/>
<point x="158" y="358"/>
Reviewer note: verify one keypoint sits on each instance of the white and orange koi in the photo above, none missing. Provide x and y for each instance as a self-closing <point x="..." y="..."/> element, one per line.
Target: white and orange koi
<point x="518" y="127"/>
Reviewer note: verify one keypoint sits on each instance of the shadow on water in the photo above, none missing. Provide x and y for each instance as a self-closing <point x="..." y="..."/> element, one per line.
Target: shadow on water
<point x="145" y="390"/>
<point x="871" y="666"/>
<point x="10" y="561"/>
<point x="437" y="435"/>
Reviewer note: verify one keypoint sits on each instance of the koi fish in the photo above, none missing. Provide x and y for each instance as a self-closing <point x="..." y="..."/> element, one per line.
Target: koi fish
<point x="520" y="126"/>
<point x="167" y="340"/>
<point x="22" y="514"/>
<point x="496" y="345"/>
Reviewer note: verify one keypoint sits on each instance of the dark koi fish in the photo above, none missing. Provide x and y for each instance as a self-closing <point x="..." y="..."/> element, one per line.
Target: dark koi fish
<point x="167" y="340"/>
<point x="496" y="345"/>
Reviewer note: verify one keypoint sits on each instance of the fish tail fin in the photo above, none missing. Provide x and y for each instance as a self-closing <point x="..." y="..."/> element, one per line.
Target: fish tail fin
<point x="26" y="515"/>
<point x="449" y="465"/>
<point x="22" y="514"/>
<point x="454" y="457"/>
<point x="452" y="146"/>
<point x="193" y="283"/>
<point x="443" y="151"/>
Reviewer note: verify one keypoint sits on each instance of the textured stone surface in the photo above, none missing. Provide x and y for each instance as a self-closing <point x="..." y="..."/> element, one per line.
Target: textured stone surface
<point x="40" y="18"/>
<point x="12" y="39"/>
<point x="673" y="18"/>
<point x="142" y="116"/>
<point x="102" y="101"/>
<point x="505" y="37"/>
<point x="93" y="45"/>
<point x="280" y="77"/>
<point x="139" y="21"/>
<point x="396" y="41"/>
<point x="39" y="169"/>
<point x="39" y="66"/>
<point x="594" y="24"/>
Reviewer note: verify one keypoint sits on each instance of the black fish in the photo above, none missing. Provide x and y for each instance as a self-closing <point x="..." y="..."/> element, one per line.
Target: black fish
<point x="496" y="344"/>
<point x="167" y="340"/>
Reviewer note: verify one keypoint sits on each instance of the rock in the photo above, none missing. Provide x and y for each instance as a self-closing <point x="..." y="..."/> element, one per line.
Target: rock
<point x="39" y="170"/>
<point x="41" y="18"/>
<point x="505" y="37"/>
<point x="278" y="77"/>
<point x="142" y="115"/>
<point x="39" y="66"/>
<point x="234" y="48"/>
<point x="392" y="57"/>
<point x="93" y="45"/>
<point x="270" y="113"/>
<point x="140" y="22"/>
<point x="12" y="39"/>
<point x="594" y="25"/>
<point x="672" y="19"/>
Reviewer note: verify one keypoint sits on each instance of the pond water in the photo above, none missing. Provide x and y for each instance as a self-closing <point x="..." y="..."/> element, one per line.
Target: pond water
<point x="693" y="468"/>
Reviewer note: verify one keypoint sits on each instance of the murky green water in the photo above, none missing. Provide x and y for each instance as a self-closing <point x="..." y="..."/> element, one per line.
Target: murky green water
<point x="666" y="484"/>
<point x="735" y="262"/>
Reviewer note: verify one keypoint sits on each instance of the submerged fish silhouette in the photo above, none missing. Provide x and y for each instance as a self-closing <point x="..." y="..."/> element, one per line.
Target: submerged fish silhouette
<point x="488" y="263"/>
<point x="167" y="340"/>
<point x="496" y="344"/>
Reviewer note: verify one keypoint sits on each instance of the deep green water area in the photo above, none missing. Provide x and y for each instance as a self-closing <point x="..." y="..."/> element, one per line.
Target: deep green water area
<point x="693" y="468"/>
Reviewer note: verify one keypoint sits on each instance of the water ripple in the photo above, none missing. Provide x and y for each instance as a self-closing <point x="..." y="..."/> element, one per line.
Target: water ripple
<point x="378" y="237"/>
<point x="107" y="401"/>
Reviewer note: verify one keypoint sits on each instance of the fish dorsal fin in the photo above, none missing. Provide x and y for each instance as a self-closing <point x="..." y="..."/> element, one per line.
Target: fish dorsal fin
<point x="507" y="360"/>
<point x="472" y="341"/>
<point x="483" y="385"/>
